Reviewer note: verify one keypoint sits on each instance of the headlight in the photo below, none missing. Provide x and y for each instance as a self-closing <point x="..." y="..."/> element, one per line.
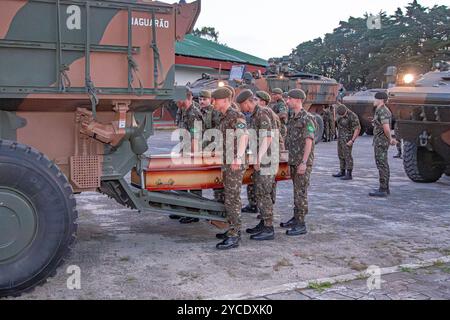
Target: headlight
<point x="408" y="78"/>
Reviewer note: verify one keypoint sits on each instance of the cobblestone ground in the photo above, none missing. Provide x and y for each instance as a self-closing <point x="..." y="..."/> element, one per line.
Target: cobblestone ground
<point x="126" y="255"/>
<point x="431" y="283"/>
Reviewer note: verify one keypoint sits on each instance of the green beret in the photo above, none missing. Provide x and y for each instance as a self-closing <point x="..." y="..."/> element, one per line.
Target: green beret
<point x="297" y="94"/>
<point x="205" y="94"/>
<point x="233" y="92"/>
<point x="381" y="96"/>
<point x="277" y="91"/>
<point x="244" y="95"/>
<point x="341" y="109"/>
<point x="264" y="96"/>
<point x="221" y="93"/>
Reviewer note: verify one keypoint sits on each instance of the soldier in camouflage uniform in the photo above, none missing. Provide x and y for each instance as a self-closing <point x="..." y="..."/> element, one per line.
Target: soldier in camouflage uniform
<point x="279" y="107"/>
<point x="233" y="167"/>
<point x="300" y="144"/>
<point x="263" y="178"/>
<point x="263" y="99"/>
<point x="381" y="141"/>
<point x="189" y="116"/>
<point x="349" y="128"/>
<point x="211" y="120"/>
<point x="327" y="124"/>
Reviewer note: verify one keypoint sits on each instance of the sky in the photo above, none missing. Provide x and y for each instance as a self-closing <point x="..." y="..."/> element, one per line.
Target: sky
<point x="272" y="28"/>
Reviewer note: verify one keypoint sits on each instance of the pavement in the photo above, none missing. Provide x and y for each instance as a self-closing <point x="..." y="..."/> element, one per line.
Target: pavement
<point x="122" y="254"/>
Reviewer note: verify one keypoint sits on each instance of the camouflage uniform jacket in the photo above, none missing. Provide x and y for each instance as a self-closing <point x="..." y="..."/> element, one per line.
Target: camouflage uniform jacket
<point x="189" y="117"/>
<point x="211" y="118"/>
<point x="280" y="109"/>
<point x="276" y="125"/>
<point x="382" y="116"/>
<point x="300" y="127"/>
<point x="347" y="125"/>
<point x="261" y="123"/>
<point x="232" y="120"/>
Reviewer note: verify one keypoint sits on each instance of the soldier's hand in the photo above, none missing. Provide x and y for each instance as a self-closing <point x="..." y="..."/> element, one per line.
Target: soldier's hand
<point x="350" y="143"/>
<point x="301" y="170"/>
<point x="394" y="142"/>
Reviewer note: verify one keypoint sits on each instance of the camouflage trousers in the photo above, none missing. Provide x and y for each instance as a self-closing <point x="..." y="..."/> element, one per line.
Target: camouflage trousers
<point x="251" y="194"/>
<point x="345" y="155"/>
<point x="301" y="185"/>
<point x="381" y="148"/>
<point x="232" y="181"/>
<point x="264" y="193"/>
<point x="327" y="132"/>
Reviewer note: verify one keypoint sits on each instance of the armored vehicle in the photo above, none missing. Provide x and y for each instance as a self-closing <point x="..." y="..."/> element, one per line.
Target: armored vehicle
<point x="361" y="103"/>
<point x="79" y="81"/>
<point x="422" y="110"/>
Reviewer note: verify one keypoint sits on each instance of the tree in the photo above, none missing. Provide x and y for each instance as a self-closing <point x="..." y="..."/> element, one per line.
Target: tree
<point x="358" y="56"/>
<point x="208" y="33"/>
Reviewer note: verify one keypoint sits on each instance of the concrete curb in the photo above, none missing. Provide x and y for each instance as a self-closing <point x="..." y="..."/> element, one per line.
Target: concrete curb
<point x="333" y="280"/>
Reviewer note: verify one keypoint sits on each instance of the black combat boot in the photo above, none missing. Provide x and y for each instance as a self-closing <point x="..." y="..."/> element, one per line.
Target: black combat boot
<point x="223" y="236"/>
<point x="380" y="193"/>
<point x="250" y="209"/>
<point x="340" y="174"/>
<point x="266" y="234"/>
<point x="288" y="224"/>
<point x="229" y="243"/>
<point x="174" y="217"/>
<point x="187" y="220"/>
<point x="298" y="230"/>
<point x="348" y="176"/>
<point x="256" y="229"/>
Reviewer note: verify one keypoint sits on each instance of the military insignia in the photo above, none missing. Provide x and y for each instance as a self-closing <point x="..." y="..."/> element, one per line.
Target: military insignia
<point x="311" y="129"/>
<point x="240" y="126"/>
<point x="264" y="123"/>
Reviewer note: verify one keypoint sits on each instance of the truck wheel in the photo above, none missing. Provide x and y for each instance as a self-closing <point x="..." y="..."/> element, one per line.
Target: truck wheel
<point x="37" y="218"/>
<point x="320" y="128"/>
<point x="420" y="164"/>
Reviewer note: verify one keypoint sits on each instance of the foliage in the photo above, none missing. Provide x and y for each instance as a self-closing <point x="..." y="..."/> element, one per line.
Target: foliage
<point x="410" y="39"/>
<point x="209" y="33"/>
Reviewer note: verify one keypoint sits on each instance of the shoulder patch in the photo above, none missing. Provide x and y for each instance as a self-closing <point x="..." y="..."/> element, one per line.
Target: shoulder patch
<point x="311" y="128"/>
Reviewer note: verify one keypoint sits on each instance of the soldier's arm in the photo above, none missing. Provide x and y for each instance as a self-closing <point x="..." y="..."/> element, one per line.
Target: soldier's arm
<point x="266" y="126"/>
<point x="356" y="128"/>
<point x="386" y="119"/>
<point x="310" y="130"/>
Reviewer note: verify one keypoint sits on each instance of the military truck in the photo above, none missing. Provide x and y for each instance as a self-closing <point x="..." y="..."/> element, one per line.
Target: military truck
<point x="79" y="81"/>
<point x="320" y="91"/>
<point x="422" y="110"/>
<point x="361" y="103"/>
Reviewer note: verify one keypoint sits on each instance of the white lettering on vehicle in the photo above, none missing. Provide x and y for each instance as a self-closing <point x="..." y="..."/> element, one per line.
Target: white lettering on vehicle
<point x="145" y="22"/>
<point x="74" y="20"/>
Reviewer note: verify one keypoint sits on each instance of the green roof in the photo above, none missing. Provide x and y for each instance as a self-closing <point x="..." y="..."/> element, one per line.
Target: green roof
<point x="193" y="46"/>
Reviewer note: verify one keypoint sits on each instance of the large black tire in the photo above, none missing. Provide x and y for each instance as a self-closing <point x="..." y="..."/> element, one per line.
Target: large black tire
<point x="37" y="218"/>
<point x="420" y="164"/>
<point x="320" y="128"/>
